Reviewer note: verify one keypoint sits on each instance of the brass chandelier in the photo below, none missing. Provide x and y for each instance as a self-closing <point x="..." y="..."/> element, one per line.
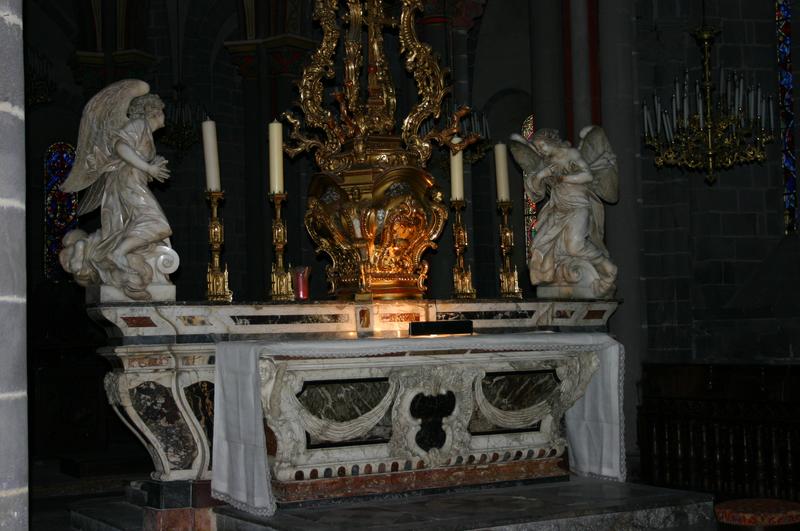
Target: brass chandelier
<point x="373" y="208"/>
<point x="696" y="133"/>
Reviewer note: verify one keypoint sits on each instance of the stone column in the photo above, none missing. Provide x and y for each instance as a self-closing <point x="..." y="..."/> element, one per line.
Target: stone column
<point x="13" y="376"/>
<point x="581" y="58"/>
<point x="547" y="65"/>
<point x="623" y="220"/>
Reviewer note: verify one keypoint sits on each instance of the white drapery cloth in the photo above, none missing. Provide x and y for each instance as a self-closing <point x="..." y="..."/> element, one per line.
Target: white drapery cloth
<point x="240" y="475"/>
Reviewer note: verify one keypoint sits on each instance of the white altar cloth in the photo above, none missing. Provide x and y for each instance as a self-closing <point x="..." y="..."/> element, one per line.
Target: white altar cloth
<point x="240" y="475"/>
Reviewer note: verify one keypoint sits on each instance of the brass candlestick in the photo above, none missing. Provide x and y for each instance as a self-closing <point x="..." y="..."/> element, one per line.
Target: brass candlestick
<point x="509" y="285"/>
<point x="462" y="276"/>
<point x="216" y="278"/>
<point x="281" y="277"/>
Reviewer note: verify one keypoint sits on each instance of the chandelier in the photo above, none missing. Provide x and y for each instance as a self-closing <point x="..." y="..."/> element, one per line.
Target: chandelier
<point x="695" y="132"/>
<point x="373" y="207"/>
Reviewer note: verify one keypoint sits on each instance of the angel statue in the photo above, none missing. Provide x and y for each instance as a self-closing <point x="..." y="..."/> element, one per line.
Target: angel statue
<point x="130" y="256"/>
<point x="568" y="256"/>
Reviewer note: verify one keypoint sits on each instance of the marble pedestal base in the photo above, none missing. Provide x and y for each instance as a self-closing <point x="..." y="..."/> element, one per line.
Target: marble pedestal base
<point x="102" y="294"/>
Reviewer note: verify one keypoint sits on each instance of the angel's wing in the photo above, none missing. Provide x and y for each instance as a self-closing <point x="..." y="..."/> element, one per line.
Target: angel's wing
<point x="596" y="151"/>
<point x="105" y="113"/>
<point x="531" y="163"/>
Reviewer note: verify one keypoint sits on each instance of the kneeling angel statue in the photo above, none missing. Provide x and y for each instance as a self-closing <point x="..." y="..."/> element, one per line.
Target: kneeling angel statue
<point x="568" y="258"/>
<point x="115" y="160"/>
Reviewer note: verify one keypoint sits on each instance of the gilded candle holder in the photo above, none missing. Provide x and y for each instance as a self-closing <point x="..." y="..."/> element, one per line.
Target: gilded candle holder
<point x="509" y="283"/>
<point x="462" y="275"/>
<point x="281" y="277"/>
<point x="217" y="276"/>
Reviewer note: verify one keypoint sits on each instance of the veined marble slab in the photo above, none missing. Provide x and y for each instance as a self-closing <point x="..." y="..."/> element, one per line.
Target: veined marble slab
<point x="169" y="323"/>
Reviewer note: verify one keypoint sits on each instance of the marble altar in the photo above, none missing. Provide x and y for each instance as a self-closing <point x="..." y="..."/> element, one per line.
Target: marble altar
<point x="319" y="408"/>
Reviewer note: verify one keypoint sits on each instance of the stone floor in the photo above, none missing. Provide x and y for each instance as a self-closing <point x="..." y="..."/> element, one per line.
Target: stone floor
<point x="61" y="504"/>
<point x="575" y="505"/>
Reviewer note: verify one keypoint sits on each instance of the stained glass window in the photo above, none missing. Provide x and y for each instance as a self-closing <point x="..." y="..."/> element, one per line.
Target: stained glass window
<point x="60" y="208"/>
<point x="783" y="26"/>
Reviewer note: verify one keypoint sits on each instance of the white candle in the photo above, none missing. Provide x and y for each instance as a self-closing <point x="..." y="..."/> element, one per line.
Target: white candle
<point x="457" y="174"/>
<point x="740" y="103"/>
<point x="275" y="157"/>
<point x="674" y="110"/>
<point x="771" y="114"/>
<point x="501" y="170"/>
<point x="211" y="155"/>
<point x="657" y="105"/>
<point x="685" y="107"/>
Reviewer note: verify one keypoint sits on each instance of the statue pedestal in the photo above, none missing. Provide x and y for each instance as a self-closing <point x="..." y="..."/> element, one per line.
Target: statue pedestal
<point x="101" y="294"/>
<point x="342" y="421"/>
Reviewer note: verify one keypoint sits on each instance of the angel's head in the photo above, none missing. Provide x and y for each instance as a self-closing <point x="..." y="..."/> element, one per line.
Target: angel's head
<point x="545" y="141"/>
<point x="149" y="107"/>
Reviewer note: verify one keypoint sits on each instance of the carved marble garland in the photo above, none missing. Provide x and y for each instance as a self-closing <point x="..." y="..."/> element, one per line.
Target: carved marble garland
<point x="463" y="376"/>
<point x="568" y="257"/>
<point x="130" y="257"/>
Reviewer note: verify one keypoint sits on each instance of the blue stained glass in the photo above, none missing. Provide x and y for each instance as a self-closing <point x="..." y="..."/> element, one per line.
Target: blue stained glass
<point x="783" y="34"/>
<point x="60" y="208"/>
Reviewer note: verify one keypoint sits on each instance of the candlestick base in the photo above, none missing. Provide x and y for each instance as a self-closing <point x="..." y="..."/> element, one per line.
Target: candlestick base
<point x="281" y="285"/>
<point x="217" y="286"/>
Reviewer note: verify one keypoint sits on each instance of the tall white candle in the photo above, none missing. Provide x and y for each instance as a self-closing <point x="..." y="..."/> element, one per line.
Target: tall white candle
<point x="771" y="115"/>
<point x="211" y="155"/>
<point x="275" y="157"/>
<point x="457" y="174"/>
<point x="501" y="171"/>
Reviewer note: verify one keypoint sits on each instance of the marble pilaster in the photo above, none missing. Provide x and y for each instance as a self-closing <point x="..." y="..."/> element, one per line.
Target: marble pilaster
<point x="13" y="377"/>
<point x="621" y="109"/>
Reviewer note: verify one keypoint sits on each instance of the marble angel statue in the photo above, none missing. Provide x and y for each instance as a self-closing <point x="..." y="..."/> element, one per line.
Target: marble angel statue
<point x="130" y="256"/>
<point x="568" y="256"/>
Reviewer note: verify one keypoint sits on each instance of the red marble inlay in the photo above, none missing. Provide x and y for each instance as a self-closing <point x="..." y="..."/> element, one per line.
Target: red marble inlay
<point x="758" y="512"/>
<point x="564" y="314"/>
<point x="594" y="315"/>
<point x="382" y="483"/>
<point x="138" y="321"/>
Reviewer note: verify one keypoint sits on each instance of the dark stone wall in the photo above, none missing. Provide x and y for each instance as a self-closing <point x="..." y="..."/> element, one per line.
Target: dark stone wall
<point x="702" y="243"/>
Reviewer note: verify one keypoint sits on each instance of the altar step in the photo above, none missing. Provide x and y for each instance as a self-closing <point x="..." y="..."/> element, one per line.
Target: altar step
<point x="580" y="504"/>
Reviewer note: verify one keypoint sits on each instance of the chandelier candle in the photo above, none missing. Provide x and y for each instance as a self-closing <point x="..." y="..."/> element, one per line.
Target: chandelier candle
<point x="275" y="158"/>
<point x="211" y="155"/>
